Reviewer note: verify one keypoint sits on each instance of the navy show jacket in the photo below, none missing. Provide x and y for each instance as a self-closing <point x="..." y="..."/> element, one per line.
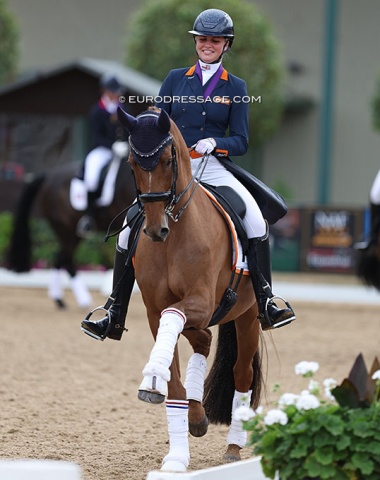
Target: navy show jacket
<point x="225" y="111"/>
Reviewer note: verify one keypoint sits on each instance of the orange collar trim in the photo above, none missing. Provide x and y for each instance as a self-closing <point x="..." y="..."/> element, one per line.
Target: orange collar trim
<point x="191" y="71"/>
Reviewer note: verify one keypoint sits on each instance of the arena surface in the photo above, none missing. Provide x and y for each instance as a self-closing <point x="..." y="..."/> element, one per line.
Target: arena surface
<point x="66" y="396"/>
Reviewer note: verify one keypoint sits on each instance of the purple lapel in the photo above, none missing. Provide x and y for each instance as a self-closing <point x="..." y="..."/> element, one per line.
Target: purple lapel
<point x="211" y="84"/>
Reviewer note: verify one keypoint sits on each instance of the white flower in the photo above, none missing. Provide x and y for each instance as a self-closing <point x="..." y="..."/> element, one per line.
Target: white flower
<point x="276" y="416"/>
<point x="288" y="399"/>
<point x="259" y="410"/>
<point x="314" y="387"/>
<point x="307" y="401"/>
<point x="304" y="368"/>
<point x="376" y="375"/>
<point x="329" y="384"/>
<point x="243" y="413"/>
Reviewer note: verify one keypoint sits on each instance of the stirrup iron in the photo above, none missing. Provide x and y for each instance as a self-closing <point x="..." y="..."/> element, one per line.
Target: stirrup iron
<point x="281" y="322"/>
<point x="91" y="333"/>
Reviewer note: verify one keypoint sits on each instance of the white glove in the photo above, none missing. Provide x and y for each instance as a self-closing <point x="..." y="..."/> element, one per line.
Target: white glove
<point x="205" y="146"/>
<point x="120" y="149"/>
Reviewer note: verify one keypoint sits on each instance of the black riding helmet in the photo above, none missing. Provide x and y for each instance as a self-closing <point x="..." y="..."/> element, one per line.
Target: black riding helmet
<point x="214" y="23"/>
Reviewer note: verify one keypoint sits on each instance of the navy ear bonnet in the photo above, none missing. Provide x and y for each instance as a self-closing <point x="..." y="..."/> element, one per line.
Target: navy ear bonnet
<point x="149" y="135"/>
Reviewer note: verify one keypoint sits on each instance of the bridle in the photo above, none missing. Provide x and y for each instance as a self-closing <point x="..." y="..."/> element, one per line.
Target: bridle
<point x="169" y="196"/>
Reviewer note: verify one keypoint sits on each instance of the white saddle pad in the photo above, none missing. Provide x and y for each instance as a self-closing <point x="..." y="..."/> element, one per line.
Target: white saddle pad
<point x="78" y="191"/>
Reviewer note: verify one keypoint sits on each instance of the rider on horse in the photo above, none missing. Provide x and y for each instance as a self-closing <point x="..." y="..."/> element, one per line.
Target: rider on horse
<point x="105" y="130"/>
<point x="203" y="125"/>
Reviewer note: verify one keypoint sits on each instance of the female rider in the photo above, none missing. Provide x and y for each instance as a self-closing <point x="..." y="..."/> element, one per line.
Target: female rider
<point x="205" y="101"/>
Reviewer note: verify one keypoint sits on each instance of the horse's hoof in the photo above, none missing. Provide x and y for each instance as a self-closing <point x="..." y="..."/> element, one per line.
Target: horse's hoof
<point x="60" y="303"/>
<point x="232" y="454"/>
<point x="199" y="429"/>
<point x="151" y="397"/>
<point x="230" y="458"/>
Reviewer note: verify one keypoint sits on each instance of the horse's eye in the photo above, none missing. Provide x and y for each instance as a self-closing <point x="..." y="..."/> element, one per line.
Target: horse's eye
<point x="168" y="162"/>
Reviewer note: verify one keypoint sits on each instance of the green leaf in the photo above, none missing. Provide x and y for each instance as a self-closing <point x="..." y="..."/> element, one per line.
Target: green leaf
<point x="363" y="463"/>
<point x="324" y="456"/>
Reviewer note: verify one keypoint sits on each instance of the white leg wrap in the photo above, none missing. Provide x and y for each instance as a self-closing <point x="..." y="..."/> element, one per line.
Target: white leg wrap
<point x="55" y="290"/>
<point x="178" y="458"/>
<point x="81" y="293"/>
<point x="157" y="369"/>
<point x="236" y="434"/>
<point x="195" y="377"/>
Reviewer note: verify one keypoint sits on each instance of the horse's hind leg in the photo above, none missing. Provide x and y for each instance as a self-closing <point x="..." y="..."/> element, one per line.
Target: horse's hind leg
<point x="200" y="340"/>
<point x="55" y="289"/>
<point x="248" y="334"/>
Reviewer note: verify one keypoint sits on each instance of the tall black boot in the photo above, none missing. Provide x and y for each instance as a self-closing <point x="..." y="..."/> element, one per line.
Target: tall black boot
<point x="86" y="225"/>
<point x="112" y="325"/>
<point x="259" y="264"/>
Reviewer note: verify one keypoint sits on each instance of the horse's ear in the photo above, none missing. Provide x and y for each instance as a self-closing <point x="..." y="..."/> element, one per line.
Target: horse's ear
<point x="163" y="121"/>
<point x="127" y="121"/>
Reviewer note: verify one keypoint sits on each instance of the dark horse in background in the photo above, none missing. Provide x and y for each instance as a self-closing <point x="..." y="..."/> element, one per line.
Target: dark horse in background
<point x="50" y="193"/>
<point x="368" y="252"/>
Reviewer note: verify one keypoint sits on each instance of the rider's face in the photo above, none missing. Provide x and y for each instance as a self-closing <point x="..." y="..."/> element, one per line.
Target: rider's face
<point x="114" y="97"/>
<point x="209" y="49"/>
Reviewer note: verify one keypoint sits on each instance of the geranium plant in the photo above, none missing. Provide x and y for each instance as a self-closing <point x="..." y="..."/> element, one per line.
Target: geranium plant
<point x="321" y="433"/>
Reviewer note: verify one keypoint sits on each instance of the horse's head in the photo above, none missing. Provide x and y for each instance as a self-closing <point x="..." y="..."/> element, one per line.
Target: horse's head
<point x="154" y="164"/>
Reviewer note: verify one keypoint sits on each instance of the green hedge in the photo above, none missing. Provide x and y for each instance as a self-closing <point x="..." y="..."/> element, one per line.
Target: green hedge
<point x="93" y="252"/>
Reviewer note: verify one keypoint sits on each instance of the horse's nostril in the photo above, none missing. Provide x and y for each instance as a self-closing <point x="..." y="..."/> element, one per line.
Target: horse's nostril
<point x="164" y="232"/>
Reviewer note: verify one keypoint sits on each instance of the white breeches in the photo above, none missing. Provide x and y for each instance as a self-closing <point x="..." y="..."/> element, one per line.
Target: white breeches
<point x="374" y="194"/>
<point x="215" y="174"/>
<point x="94" y="162"/>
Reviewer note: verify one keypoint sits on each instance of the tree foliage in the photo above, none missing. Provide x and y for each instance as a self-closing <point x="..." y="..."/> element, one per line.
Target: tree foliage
<point x="158" y="41"/>
<point x="9" y="39"/>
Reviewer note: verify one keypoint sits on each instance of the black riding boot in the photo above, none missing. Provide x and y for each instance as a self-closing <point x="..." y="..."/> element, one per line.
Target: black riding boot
<point x="112" y="325"/>
<point x="259" y="265"/>
<point x="86" y="225"/>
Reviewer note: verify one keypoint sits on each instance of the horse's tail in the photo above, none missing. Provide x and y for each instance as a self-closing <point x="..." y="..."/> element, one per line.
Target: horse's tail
<point x="368" y="267"/>
<point x="219" y="385"/>
<point x="20" y="248"/>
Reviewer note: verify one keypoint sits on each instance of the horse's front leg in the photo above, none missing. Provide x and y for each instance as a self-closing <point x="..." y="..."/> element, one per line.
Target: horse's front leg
<point x="154" y="387"/>
<point x="177" y="408"/>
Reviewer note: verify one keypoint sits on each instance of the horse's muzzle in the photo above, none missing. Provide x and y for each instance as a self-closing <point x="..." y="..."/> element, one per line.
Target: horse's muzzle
<point x="157" y="234"/>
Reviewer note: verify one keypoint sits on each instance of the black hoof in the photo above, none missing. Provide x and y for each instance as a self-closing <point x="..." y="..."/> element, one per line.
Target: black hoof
<point x="230" y="458"/>
<point x="199" y="429"/>
<point x="151" y="397"/>
<point x="60" y="303"/>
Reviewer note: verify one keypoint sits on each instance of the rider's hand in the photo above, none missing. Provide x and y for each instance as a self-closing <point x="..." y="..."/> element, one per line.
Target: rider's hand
<point x="120" y="149"/>
<point x="205" y="146"/>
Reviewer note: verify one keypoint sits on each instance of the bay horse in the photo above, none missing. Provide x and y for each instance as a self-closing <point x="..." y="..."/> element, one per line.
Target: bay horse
<point x="50" y="194"/>
<point x="183" y="264"/>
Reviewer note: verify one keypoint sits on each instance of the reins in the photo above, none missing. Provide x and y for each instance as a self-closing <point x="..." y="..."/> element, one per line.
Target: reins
<point x="169" y="208"/>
